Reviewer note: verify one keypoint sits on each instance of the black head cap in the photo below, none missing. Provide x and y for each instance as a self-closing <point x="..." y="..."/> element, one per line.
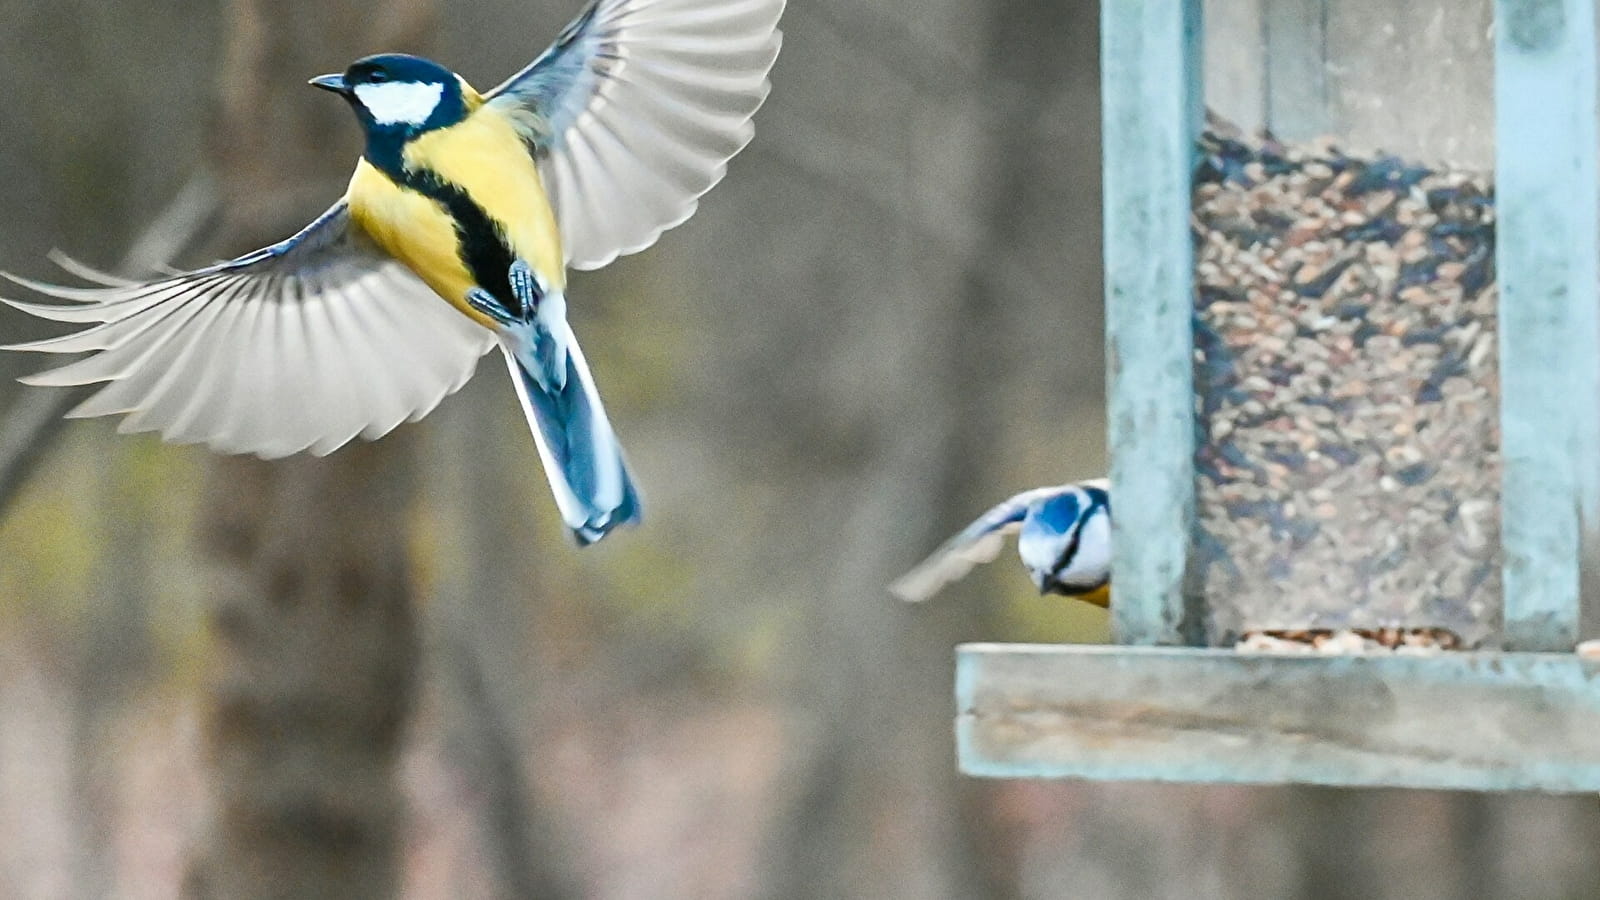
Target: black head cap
<point x="399" y="92"/>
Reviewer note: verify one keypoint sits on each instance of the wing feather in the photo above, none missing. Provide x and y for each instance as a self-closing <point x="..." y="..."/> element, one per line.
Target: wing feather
<point x="338" y="362"/>
<point x="979" y="542"/>
<point x="156" y="391"/>
<point x="411" y="386"/>
<point x="169" y="401"/>
<point x="298" y="346"/>
<point x="86" y="272"/>
<point x="190" y="423"/>
<point x="696" y="68"/>
<point x="333" y="322"/>
<point x="137" y="384"/>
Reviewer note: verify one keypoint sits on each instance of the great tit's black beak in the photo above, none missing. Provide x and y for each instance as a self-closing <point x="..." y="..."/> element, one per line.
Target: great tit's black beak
<point x="333" y="83"/>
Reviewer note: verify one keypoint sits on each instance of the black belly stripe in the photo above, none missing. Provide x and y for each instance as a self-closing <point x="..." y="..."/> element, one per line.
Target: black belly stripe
<point x="482" y="245"/>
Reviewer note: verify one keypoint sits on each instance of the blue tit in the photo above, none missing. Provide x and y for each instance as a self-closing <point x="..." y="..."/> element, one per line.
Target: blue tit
<point x="453" y="238"/>
<point x="1063" y="536"/>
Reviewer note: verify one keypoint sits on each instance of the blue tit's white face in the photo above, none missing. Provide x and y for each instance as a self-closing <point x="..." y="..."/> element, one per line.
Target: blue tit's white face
<point x="1090" y="564"/>
<point x="1048" y="531"/>
<point x="1066" y="541"/>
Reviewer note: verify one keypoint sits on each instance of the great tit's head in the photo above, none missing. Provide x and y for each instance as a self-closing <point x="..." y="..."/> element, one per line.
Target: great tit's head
<point x="399" y="94"/>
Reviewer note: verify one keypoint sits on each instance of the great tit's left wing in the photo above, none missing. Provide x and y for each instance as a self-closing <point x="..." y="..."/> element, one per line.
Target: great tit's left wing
<point x="635" y="111"/>
<point x="298" y="346"/>
<point x="979" y="542"/>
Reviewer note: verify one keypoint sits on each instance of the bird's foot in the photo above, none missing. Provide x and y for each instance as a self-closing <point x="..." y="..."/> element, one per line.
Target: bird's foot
<point x="486" y="303"/>
<point x="526" y="288"/>
<point x="526" y="291"/>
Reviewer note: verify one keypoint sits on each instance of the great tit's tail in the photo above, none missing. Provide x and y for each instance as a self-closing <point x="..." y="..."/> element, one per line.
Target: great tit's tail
<point x="581" y="454"/>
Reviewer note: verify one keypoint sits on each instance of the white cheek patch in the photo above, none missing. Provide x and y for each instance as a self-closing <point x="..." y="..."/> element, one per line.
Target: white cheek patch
<point x="1040" y="550"/>
<point x="396" y="102"/>
<point x="1092" y="563"/>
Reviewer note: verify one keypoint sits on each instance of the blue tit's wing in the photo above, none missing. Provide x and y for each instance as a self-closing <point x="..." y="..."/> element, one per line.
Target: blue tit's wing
<point x="979" y="542"/>
<point x="298" y="346"/>
<point x="635" y="111"/>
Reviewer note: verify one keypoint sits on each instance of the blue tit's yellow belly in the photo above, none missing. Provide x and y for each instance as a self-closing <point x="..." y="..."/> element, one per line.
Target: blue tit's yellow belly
<point x="470" y="202"/>
<point x="1100" y="596"/>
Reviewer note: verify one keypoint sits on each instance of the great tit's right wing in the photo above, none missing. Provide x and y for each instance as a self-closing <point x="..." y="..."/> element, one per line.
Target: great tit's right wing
<point x="979" y="542"/>
<point x="298" y="346"/>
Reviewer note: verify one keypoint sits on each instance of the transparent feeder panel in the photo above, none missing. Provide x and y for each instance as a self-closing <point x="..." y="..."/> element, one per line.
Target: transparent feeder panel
<point x="1345" y="360"/>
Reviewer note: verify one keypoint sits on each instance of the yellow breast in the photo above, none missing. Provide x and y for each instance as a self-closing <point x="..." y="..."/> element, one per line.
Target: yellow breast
<point x="483" y="158"/>
<point x="1100" y="596"/>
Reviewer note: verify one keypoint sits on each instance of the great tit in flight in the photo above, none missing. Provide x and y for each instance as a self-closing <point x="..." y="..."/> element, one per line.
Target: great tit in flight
<point x="453" y="237"/>
<point x="1063" y="536"/>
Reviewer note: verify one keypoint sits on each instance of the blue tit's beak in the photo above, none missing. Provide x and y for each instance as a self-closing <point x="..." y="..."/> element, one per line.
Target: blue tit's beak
<point x="333" y="83"/>
<point x="1041" y="580"/>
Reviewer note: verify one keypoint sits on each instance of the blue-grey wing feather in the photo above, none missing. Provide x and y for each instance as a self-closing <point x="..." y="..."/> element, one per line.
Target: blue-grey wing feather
<point x="555" y="88"/>
<point x="979" y="542"/>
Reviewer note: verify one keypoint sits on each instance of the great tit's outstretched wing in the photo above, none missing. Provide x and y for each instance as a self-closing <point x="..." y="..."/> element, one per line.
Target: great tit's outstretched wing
<point x="635" y="111"/>
<point x="979" y="542"/>
<point x="298" y="346"/>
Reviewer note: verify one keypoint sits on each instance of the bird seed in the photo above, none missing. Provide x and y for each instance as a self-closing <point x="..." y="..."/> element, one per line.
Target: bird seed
<point x="1347" y="394"/>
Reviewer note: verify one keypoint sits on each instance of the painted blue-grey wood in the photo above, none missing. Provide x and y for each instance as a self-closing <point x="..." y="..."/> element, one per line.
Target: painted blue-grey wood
<point x="1469" y="721"/>
<point x="1546" y="193"/>
<point x="1295" y="33"/>
<point x="1150" y="82"/>
<point x="1194" y="42"/>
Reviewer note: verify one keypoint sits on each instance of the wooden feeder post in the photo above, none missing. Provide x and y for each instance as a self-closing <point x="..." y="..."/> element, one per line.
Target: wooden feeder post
<point x="1545" y="170"/>
<point x="1147" y="50"/>
<point x="1523" y="715"/>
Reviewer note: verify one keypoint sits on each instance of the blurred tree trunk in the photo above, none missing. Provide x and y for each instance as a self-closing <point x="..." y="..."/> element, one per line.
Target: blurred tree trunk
<point x="885" y="768"/>
<point x="483" y="659"/>
<point x="112" y="665"/>
<point x="317" y="646"/>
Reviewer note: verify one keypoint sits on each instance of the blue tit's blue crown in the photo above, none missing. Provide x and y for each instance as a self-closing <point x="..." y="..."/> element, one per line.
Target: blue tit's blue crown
<point x="1058" y="513"/>
<point x="1049" y="537"/>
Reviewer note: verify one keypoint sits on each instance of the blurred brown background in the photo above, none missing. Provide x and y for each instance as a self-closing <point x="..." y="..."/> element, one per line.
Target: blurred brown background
<point x="886" y="318"/>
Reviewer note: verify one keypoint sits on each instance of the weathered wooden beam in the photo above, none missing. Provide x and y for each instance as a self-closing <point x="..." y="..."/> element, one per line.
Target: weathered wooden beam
<point x="1548" y="195"/>
<point x="1151" y="101"/>
<point x="1472" y="721"/>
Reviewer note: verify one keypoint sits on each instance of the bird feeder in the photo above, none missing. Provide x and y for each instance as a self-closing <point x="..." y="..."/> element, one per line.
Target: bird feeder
<point x="1354" y="347"/>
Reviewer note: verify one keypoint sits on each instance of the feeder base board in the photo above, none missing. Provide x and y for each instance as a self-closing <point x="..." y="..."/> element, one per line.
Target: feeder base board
<point x="1483" y="721"/>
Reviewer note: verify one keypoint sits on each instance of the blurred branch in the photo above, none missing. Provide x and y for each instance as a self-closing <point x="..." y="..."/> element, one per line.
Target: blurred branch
<point x="524" y="847"/>
<point x="175" y="229"/>
<point x="31" y="425"/>
<point x="33" y="421"/>
<point x="947" y="236"/>
<point x="925" y="65"/>
<point x="316" y="646"/>
<point x="485" y="667"/>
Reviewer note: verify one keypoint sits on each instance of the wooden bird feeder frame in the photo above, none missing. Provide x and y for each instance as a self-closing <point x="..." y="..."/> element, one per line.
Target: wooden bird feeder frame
<point x="1525" y="716"/>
